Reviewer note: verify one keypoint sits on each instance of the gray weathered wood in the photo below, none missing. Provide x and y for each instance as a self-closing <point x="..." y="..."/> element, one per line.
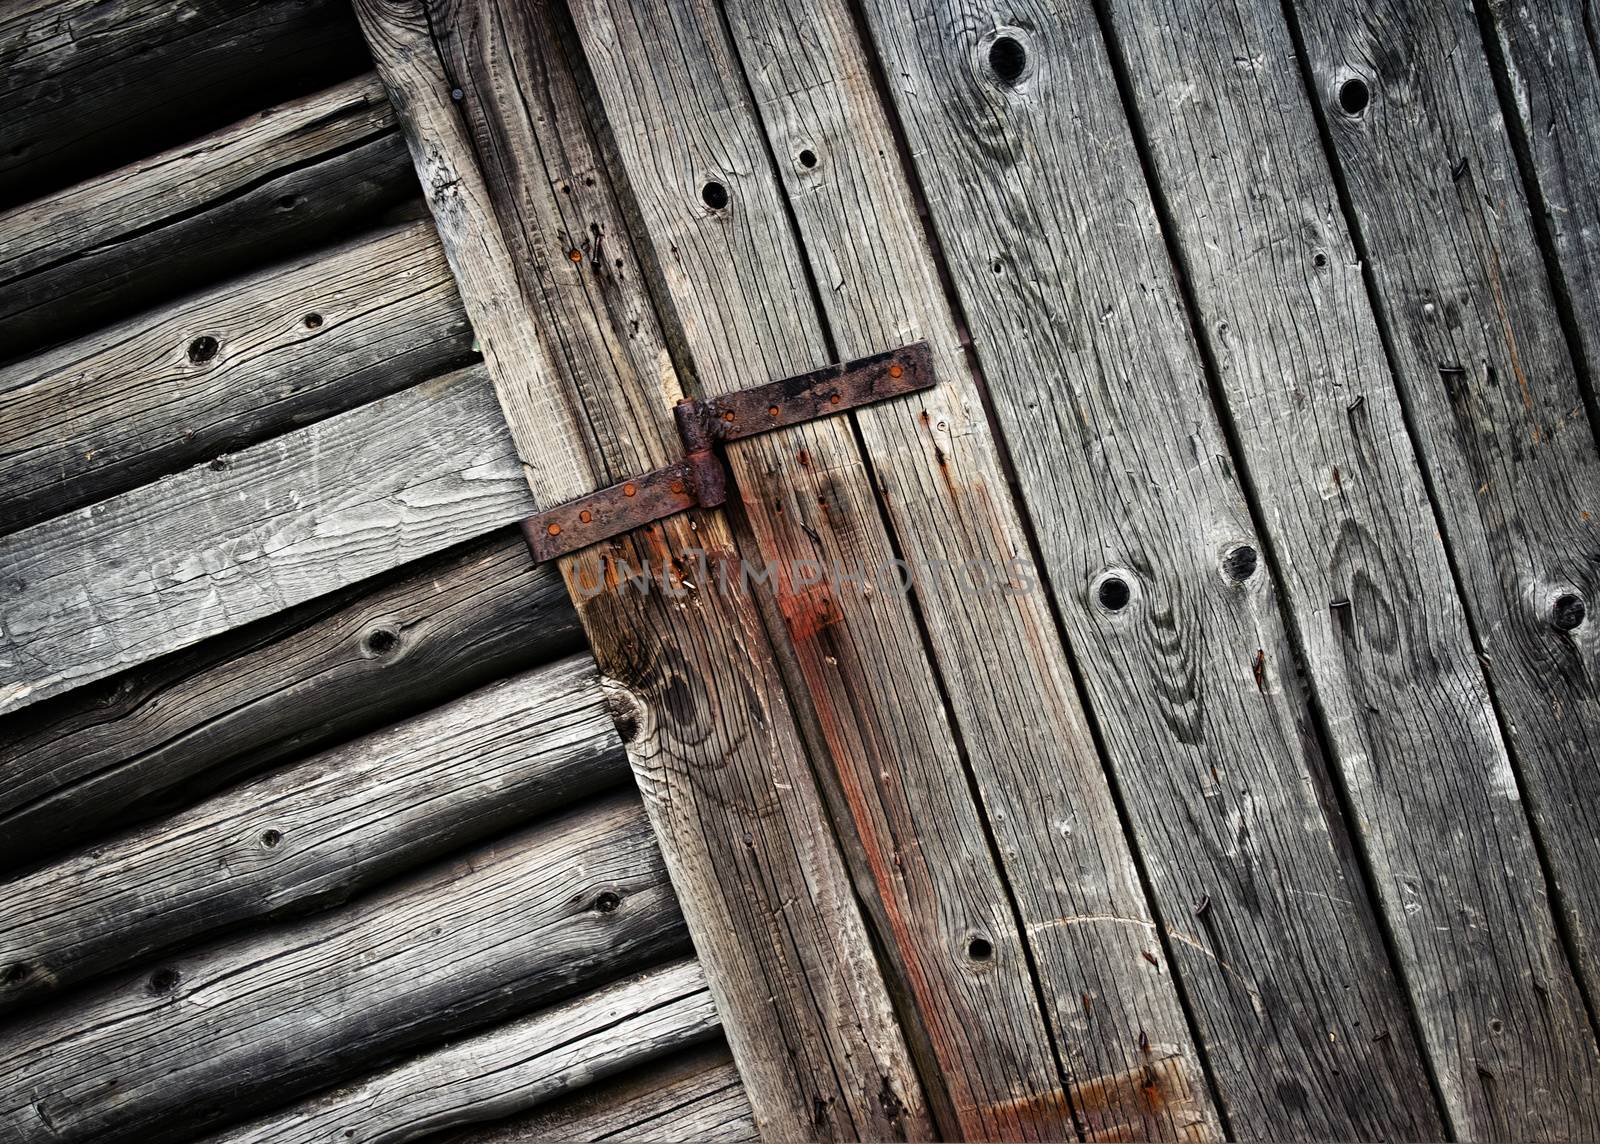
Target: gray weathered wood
<point x="221" y="370"/>
<point x="1552" y="59"/>
<point x="1501" y="430"/>
<point x="248" y="534"/>
<point x="315" y="833"/>
<point x="84" y="82"/>
<point x="1035" y="190"/>
<point x="553" y="290"/>
<point x="737" y="277"/>
<point x="297" y="174"/>
<point x="695" y="1097"/>
<point x="1496" y="397"/>
<point x="223" y="1032"/>
<point x="168" y="732"/>
<point x="508" y="1069"/>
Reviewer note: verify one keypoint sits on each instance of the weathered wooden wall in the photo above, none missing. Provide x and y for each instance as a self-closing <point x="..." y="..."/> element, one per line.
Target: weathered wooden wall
<point x="272" y="825"/>
<point x="1266" y="335"/>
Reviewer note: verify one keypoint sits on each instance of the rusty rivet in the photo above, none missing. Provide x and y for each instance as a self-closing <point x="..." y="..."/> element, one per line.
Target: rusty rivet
<point x="628" y="490"/>
<point x="586" y="516"/>
<point x="834" y="399"/>
<point x="677" y="486"/>
<point x="728" y="416"/>
<point x="772" y="410"/>
<point x="895" y="370"/>
<point x="575" y="254"/>
<point x="553" y="528"/>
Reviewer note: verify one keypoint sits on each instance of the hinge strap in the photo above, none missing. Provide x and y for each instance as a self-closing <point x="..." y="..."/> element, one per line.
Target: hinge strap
<point x="699" y="480"/>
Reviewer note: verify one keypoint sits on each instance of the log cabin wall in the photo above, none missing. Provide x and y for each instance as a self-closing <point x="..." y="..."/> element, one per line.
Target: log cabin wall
<point x="1266" y="337"/>
<point x="319" y="787"/>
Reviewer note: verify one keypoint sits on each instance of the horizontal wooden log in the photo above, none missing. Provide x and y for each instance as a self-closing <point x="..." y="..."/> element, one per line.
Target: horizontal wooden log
<point x="164" y="734"/>
<point x="168" y="564"/>
<point x="84" y="82"/>
<point x="225" y="1032"/>
<point x="301" y="173"/>
<point x="698" y="1097"/>
<point x="316" y="832"/>
<point x="509" y="1069"/>
<point x="223" y="369"/>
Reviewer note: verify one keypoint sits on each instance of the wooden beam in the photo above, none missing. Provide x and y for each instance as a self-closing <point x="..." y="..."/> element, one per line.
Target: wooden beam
<point x="1497" y="408"/>
<point x="221" y="370"/>
<point x="552" y="287"/>
<point x="229" y="1030"/>
<point x="941" y="898"/>
<point x="511" y="1068"/>
<point x="280" y="181"/>
<point x="1035" y="191"/>
<point x="169" y="732"/>
<point x="84" y="82"/>
<point x="217" y="546"/>
<point x="315" y="833"/>
<point x="696" y="1096"/>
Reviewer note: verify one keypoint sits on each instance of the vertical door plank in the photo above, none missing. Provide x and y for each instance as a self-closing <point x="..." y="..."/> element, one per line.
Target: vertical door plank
<point x="683" y="123"/>
<point x="550" y="283"/>
<point x="1408" y="100"/>
<point x="1552" y="62"/>
<point x="1013" y="118"/>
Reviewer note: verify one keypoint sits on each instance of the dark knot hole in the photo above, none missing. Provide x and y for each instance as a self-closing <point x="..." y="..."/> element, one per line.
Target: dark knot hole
<point x="715" y="195"/>
<point x="1008" y="59"/>
<point x="980" y="949"/>
<point x="1114" y="593"/>
<point x="1354" y="95"/>
<point x="1567" y="612"/>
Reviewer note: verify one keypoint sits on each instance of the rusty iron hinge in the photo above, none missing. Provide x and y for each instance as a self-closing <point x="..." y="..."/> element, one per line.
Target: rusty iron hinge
<point x="699" y="480"/>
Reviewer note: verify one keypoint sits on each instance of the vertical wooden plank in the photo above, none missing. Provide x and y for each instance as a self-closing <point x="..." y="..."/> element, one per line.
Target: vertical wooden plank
<point x="1013" y="119"/>
<point x="1409" y="105"/>
<point x="1552" y="62"/>
<point x="687" y="134"/>
<point x="550" y="282"/>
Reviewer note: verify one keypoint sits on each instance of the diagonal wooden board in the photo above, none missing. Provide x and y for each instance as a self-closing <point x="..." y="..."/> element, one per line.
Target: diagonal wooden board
<point x="1035" y="190"/>
<point x="736" y="277"/>
<point x="586" y="387"/>
<point x="1432" y="186"/>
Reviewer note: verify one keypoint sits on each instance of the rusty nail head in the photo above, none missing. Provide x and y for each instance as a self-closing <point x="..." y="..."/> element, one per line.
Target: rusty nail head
<point x="772" y="410"/>
<point x="554" y="529"/>
<point x="895" y="370"/>
<point x="586" y="516"/>
<point x="677" y="486"/>
<point x="628" y="490"/>
<point x="728" y="416"/>
<point x="575" y="254"/>
<point x="834" y="399"/>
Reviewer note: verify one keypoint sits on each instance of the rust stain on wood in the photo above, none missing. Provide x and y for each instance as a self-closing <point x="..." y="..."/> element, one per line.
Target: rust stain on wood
<point x="1152" y="1101"/>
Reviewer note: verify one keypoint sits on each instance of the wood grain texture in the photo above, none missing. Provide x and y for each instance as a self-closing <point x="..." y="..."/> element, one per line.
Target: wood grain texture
<point x="304" y="172"/>
<point x="511" y="1068"/>
<point x="221" y="370"/>
<point x="553" y="289"/>
<point x="1552" y="61"/>
<point x="312" y="834"/>
<point x="170" y="563"/>
<point x="85" y="82"/>
<point x="223" y="1032"/>
<point x="1501" y="429"/>
<point x="1035" y="190"/>
<point x="736" y="275"/>
<point x="169" y="732"/>
<point x="696" y="1096"/>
